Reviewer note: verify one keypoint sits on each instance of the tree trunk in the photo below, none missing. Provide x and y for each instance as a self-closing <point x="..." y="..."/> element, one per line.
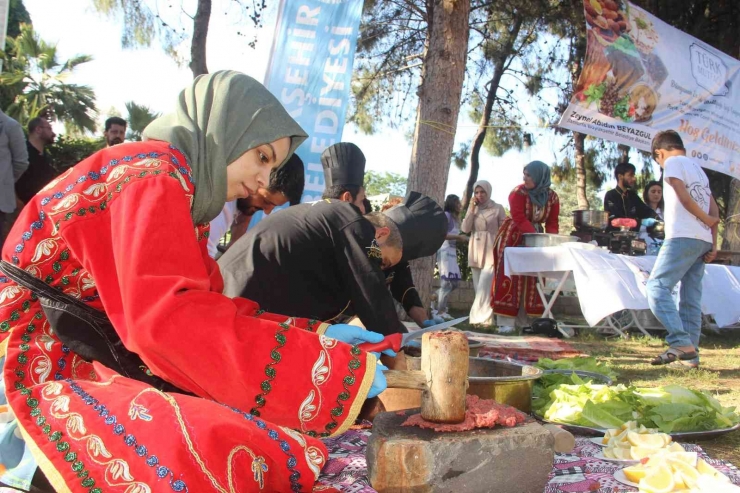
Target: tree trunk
<point x="439" y="105"/>
<point x="200" y="34"/>
<point x="579" y="140"/>
<point x="485" y="119"/>
<point x="578" y="54"/>
<point x="732" y="219"/>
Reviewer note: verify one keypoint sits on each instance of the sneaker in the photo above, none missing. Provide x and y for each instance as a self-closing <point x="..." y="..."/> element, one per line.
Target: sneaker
<point x="506" y="329"/>
<point x="445" y="316"/>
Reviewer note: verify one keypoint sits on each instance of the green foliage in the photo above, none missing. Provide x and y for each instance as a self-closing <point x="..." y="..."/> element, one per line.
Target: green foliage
<point x="502" y="135"/>
<point x="460" y="157"/>
<point x="383" y="183"/>
<point x="140" y="25"/>
<point x="17" y="15"/>
<point x="566" y="190"/>
<point x="66" y="151"/>
<point x="139" y="117"/>
<point x="466" y="274"/>
<point x="37" y="78"/>
<point x="143" y="25"/>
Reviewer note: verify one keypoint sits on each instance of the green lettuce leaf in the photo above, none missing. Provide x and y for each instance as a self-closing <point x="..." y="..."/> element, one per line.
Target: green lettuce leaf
<point x="600" y="417"/>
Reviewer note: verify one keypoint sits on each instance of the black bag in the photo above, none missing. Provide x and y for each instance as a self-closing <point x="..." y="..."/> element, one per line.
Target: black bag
<point x="85" y="330"/>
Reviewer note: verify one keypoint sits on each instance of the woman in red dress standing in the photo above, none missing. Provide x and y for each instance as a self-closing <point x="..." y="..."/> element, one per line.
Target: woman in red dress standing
<point x="532" y="204"/>
<point x="225" y="397"/>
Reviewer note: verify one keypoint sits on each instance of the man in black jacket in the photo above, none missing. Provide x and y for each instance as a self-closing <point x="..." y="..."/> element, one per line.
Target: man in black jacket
<point x="324" y="259"/>
<point x="623" y="201"/>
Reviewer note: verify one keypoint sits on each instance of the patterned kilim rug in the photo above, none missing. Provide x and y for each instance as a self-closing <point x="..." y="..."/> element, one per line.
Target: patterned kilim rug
<point x="576" y="472"/>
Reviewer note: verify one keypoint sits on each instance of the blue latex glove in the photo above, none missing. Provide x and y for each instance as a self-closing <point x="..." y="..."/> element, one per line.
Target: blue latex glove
<point x="428" y="323"/>
<point x="351" y="334"/>
<point x="415" y="343"/>
<point x="649" y="221"/>
<point x="379" y="383"/>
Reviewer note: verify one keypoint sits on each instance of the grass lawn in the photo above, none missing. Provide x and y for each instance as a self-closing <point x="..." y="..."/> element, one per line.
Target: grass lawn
<point x="719" y="372"/>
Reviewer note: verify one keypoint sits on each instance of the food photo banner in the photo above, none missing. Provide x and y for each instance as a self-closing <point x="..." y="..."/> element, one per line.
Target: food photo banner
<point x="642" y="76"/>
<point x="310" y="72"/>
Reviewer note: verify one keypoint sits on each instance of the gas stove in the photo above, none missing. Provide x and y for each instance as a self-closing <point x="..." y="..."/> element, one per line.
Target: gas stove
<point x="627" y="243"/>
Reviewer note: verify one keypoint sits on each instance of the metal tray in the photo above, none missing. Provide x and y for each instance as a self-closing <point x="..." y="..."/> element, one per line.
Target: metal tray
<point x="682" y="436"/>
<point x="598" y="377"/>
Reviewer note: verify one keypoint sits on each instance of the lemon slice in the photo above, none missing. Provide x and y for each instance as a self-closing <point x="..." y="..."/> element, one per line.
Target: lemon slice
<point x="658" y="480"/>
<point x="639" y="453"/>
<point x="635" y="473"/>
<point x="705" y="469"/>
<point x="676" y="447"/>
<point x="622" y="453"/>
<point x="678" y="482"/>
<point x="689" y="474"/>
<point x="646" y="440"/>
<point x="689" y="458"/>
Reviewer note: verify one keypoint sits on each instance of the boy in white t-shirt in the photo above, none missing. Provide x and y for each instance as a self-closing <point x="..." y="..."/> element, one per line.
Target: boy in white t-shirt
<point x="691" y="219"/>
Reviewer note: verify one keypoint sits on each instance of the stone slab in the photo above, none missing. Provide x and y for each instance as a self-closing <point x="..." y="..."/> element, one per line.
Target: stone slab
<point x="504" y="460"/>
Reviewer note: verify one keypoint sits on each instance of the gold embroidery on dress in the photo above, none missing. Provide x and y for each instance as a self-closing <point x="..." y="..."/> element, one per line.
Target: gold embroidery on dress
<point x="148" y="163"/>
<point x="314" y="457"/>
<point x="259" y="467"/>
<point x="117" y="471"/>
<point x="188" y="441"/>
<point x="137" y="411"/>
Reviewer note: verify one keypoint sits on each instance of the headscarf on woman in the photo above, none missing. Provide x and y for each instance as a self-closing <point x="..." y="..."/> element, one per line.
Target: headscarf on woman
<point x="218" y="118"/>
<point x="487" y="187"/>
<point x="540" y="173"/>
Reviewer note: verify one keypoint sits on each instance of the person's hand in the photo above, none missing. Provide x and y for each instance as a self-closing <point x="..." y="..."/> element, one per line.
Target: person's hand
<point x="648" y="222"/>
<point x="352" y="334"/>
<point x="379" y="382"/>
<point x="428" y="323"/>
<point x="711" y="221"/>
<point x="710" y="256"/>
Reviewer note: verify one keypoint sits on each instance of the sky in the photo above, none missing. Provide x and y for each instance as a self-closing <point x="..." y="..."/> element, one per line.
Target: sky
<point x="150" y="77"/>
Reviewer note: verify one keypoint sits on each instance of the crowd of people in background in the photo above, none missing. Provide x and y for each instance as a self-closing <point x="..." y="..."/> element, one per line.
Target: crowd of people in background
<point x="25" y="164"/>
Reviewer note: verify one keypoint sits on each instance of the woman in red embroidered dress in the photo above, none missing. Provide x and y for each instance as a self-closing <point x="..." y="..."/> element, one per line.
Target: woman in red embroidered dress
<point x="125" y="232"/>
<point x="532" y="203"/>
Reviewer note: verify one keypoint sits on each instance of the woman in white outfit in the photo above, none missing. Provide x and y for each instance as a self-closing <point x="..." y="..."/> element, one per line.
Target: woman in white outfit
<point x="449" y="270"/>
<point x="482" y="221"/>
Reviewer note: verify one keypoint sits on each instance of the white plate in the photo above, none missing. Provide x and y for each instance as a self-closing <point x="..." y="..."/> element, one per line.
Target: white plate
<point x="619" y="476"/>
<point x="598" y="441"/>
<point x="626" y="462"/>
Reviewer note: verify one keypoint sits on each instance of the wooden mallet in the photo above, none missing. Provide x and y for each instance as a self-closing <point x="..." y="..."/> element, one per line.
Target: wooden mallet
<point x="443" y="378"/>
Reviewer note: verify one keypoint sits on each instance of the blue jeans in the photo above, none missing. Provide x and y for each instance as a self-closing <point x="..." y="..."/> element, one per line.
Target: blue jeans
<point x="680" y="259"/>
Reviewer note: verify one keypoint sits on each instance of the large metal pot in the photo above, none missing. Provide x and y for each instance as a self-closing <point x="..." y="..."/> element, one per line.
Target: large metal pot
<point x="587" y="220"/>
<point x="503" y="381"/>
<point x="546" y="239"/>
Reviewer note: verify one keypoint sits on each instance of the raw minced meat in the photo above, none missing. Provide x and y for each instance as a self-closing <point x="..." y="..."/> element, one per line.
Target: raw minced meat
<point x="480" y="413"/>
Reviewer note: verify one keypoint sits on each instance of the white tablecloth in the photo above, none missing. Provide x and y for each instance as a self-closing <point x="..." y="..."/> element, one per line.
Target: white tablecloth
<point x="607" y="283"/>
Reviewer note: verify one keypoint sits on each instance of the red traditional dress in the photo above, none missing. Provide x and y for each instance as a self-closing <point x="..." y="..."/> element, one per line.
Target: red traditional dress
<point x="506" y="291"/>
<point x="116" y="232"/>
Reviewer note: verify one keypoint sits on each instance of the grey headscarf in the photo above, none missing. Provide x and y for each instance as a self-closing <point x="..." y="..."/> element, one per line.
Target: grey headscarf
<point x="540" y="173"/>
<point x="218" y="118"/>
